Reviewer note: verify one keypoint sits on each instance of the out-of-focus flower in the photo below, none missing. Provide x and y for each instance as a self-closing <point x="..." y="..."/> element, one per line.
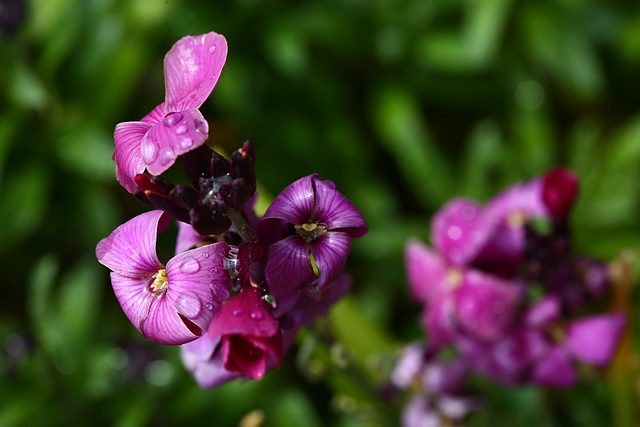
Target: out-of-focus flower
<point x="309" y="227"/>
<point x="171" y="304"/>
<point x="192" y="68"/>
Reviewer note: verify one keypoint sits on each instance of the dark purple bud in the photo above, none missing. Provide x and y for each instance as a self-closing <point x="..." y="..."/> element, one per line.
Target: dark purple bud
<point x="185" y="197"/>
<point x="155" y="191"/>
<point x="206" y="221"/>
<point x="559" y="190"/>
<point x="197" y="164"/>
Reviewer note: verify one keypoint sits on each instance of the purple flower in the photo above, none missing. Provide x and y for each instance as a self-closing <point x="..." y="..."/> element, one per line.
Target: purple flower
<point x="170" y="304"/>
<point x="309" y="226"/>
<point x="192" y="68"/>
<point x="249" y="334"/>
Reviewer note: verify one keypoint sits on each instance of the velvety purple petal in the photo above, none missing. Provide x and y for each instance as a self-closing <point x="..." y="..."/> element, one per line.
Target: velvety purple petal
<point x="330" y="255"/>
<point x="243" y="357"/>
<point x="595" y="339"/>
<point x="555" y="369"/>
<point x="518" y="202"/>
<point x="131" y="249"/>
<point x="176" y="134"/>
<point x="247" y="315"/>
<point x="164" y="326"/>
<point x="187" y="238"/>
<point x="428" y="275"/>
<point x="203" y="358"/>
<point x="543" y="313"/>
<point x="128" y="156"/>
<point x="485" y="305"/>
<point x="295" y="204"/>
<point x="191" y="70"/>
<point x="438" y="321"/>
<point x="134" y="296"/>
<point x="289" y="265"/>
<point x="459" y="230"/>
<point x="198" y="283"/>
<point x="307" y="309"/>
<point x="336" y="211"/>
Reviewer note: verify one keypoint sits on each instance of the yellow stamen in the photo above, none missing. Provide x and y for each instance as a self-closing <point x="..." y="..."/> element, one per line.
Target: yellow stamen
<point x="160" y="281"/>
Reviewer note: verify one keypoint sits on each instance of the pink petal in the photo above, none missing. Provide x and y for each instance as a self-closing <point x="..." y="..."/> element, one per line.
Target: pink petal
<point x="523" y="198"/>
<point x="165" y="326"/>
<point x="155" y="116"/>
<point x="134" y="297"/>
<point x="131" y="249"/>
<point x="176" y="134"/>
<point x="555" y="369"/>
<point x="439" y="321"/>
<point x="247" y="315"/>
<point x="459" y="230"/>
<point x="427" y="273"/>
<point x="128" y="157"/>
<point x="336" y="211"/>
<point x="289" y="265"/>
<point x="191" y="69"/>
<point x="330" y="255"/>
<point x="543" y="313"/>
<point x="188" y="237"/>
<point x="595" y="339"/>
<point x="203" y="358"/>
<point x="486" y="305"/>
<point x="198" y="283"/>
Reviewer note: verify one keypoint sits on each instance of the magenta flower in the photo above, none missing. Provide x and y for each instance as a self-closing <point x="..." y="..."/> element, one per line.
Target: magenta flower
<point x="309" y="226"/>
<point x="171" y="304"/>
<point x="192" y="68"/>
<point x="249" y="334"/>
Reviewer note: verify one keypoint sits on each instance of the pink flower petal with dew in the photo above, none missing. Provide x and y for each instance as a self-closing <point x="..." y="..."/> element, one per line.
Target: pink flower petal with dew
<point x="295" y="205"/>
<point x="245" y="314"/>
<point x="198" y="283"/>
<point x="176" y="134"/>
<point x="289" y="265"/>
<point x="250" y="357"/>
<point x="330" y="255"/>
<point x="428" y="275"/>
<point x="336" y="211"/>
<point x="130" y="250"/>
<point x="134" y="296"/>
<point x="595" y="339"/>
<point x="191" y="70"/>
<point x="128" y="156"/>
<point x="165" y="326"/>
<point x="459" y="230"/>
<point x="555" y="369"/>
<point x="187" y="238"/>
<point x="155" y="116"/>
<point x="486" y="305"/>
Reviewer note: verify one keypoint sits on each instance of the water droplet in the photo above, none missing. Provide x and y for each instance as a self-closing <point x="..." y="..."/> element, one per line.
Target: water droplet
<point x="185" y="142"/>
<point x="265" y="329"/>
<point x="167" y="156"/>
<point x="189" y="266"/>
<point x="236" y="286"/>
<point x="212" y="49"/>
<point x="208" y="306"/>
<point x="205" y="254"/>
<point x="468" y="212"/>
<point x="180" y="130"/>
<point x="237" y="312"/>
<point x="149" y="148"/>
<point x="201" y="127"/>
<point x="256" y="315"/>
<point x="188" y="304"/>
<point x="172" y="119"/>
<point x="454" y="232"/>
<point x="271" y="300"/>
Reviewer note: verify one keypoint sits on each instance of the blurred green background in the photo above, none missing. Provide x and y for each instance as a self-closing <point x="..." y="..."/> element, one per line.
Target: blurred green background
<point x="403" y="104"/>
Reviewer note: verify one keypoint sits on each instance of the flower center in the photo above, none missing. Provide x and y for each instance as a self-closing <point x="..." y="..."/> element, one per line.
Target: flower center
<point x="454" y="278"/>
<point x="160" y="281"/>
<point x="310" y="231"/>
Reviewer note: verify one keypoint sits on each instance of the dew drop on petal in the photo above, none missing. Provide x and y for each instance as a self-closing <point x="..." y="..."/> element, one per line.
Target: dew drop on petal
<point x="167" y="156"/>
<point x="205" y="254"/>
<point x="149" y="148"/>
<point x="454" y="232"/>
<point x="455" y="255"/>
<point x="212" y="49"/>
<point x="172" y="119"/>
<point x="469" y="212"/>
<point x="189" y="266"/>
<point x="208" y="306"/>
<point x="201" y="127"/>
<point x="256" y="315"/>
<point x="185" y="142"/>
<point x="188" y="304"/>
<point x="180" y="130"/>
<point x="237" y="312"/>
<point x="271" y="300"/>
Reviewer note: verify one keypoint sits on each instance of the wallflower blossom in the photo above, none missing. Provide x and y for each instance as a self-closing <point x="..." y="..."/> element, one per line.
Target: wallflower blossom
<point x="192" y="68"/>
<point x="309" y="226"/>
<point x="170" y="304"/>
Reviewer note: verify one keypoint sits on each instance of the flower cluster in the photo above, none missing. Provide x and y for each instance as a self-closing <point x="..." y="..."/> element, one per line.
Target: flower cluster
<point x="503" y="288"/>
<point x="239" y="287"/>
